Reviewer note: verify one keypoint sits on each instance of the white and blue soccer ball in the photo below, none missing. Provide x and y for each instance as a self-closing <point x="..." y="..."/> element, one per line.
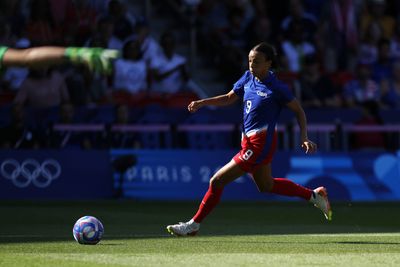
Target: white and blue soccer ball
<point x="88" y="230"/>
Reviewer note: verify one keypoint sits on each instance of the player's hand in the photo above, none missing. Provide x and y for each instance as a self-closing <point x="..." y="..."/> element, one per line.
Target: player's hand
<point x="194" y="106"/>
<point x="309" y="146"/>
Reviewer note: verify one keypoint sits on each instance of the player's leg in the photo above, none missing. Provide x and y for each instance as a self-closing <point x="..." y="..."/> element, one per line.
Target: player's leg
<point x="222" y="177"/>
<point x="282" y="186"/>
<point x="97" y="59"/>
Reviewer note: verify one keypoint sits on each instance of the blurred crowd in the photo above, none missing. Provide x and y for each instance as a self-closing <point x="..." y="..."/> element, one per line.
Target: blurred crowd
<point x="337" y="53"/>
<point x="333" y="54"/>
<point x="146" y="65"/>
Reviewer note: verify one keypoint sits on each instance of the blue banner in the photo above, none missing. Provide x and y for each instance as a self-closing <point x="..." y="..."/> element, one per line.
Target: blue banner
<point x="54" y="174"/>
<point x="184" y="175"/>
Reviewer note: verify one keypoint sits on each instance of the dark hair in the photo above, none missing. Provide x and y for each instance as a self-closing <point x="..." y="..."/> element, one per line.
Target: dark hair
<point x="269" y="52"/>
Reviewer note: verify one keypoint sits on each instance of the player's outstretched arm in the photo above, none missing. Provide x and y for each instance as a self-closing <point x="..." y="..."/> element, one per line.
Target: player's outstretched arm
<point x="97" y="59"/>
<point x="306" y="144"/>
<point x="221" y="100"/>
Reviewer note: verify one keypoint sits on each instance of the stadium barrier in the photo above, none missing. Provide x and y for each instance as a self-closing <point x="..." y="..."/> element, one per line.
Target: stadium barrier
<point x="330" y="137"/>
<point x="55" y="174"/>
<point x="185" y="174"/>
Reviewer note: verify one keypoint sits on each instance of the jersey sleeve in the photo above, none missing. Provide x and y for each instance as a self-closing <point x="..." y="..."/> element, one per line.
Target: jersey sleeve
<point x="238" y="87"/>
<point x="284" y="94"/>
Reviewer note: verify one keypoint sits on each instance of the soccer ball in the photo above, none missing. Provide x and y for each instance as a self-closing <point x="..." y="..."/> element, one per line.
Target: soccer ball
<point x="88" y="230"/>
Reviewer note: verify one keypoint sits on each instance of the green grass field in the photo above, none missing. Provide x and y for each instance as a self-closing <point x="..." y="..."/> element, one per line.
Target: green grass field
<point x="236" y="234"/>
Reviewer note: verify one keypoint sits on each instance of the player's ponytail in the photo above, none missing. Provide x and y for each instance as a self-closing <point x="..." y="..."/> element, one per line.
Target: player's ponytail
<point x="269" y="51"/>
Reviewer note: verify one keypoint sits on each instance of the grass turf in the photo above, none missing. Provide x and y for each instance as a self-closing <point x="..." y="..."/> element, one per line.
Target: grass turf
<point x="236" y="234"/>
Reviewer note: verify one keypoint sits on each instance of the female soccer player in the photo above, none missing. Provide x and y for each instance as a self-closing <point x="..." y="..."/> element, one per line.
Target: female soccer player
<point x="263" y="96"/>
<point x="97" y="59"/>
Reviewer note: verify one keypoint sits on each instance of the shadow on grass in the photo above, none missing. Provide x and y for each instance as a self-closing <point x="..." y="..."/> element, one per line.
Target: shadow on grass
<point x="108" y="240"/>
<point x="52" y="221"/>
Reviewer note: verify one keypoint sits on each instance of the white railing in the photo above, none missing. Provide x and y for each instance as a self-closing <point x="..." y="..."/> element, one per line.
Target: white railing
<point x="324" y="133"/>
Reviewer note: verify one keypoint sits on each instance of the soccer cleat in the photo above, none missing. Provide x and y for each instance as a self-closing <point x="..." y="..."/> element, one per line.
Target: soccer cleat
<point x="97" y="59"/>
<point x="189" y="228"/>
<point x="320" y="200"/>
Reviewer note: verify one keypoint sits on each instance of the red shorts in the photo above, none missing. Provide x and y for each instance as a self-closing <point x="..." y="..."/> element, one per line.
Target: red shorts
<point x="257" y="149"/>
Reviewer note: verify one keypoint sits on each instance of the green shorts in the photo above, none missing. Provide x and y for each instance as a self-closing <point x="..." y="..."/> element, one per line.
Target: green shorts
<point x="3" y="50"/>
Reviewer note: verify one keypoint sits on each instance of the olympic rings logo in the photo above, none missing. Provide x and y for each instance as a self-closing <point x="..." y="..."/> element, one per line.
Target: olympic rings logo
<point x="30" y="171"/>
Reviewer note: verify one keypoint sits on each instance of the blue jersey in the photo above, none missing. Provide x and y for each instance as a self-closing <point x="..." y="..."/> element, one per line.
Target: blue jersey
<point x="262" y="100"/>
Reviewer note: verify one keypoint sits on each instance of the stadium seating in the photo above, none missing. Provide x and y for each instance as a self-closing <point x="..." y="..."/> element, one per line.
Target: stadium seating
<point x="156" y="114"/>
<point x="390" y="116"/>
<point x="211" y="138"/>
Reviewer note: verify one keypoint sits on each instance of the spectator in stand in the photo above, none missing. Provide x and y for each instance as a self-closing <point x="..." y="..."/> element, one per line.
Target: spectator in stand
<point x="120" y="139"/>
<point x="369" y="140"/>
<point x="99" y="5"/>
<point x="395" y="42"/>
<point x="232" y="41"/>
<point x="390" y="89"/>
<point x="7" y="37"/>
<point x="361" y="89"/>
<point x="103" y="36"/>
<point x="213" y="18"/>
<point x="376" y="13"/>
<point x="260" y="30"/>
<point x="314" y="7"/>
<point x="124" y="22"/>
<point x="15" y="76"/>
<point x="368" y="48"/>
<point x="295" y="48"/>
<point x="247" y="9"/>
<point x="13" y="16"/>
<point x="58" y="9"/>
<point x="298" y="14"/>
<point x="78" y="83"/>
<point x="169" y="68"/>
<point x="79" y="21"/>
<point x="43" y="88"/>
<point x="19" y="134"/>
<point x="130" y="71"/>
<point x="382" y="68"/>
<point x="85" y="86"/>
<point x="67" y="114"/>
<point x="68" y="139"/>
<point x="235" y="35"/>
<point x="338" y="34"/>
<point x="149" y="46"/>
<point x="41" y="29"/>
<point x="316" y="89"/>
<point x="96" y="84"/>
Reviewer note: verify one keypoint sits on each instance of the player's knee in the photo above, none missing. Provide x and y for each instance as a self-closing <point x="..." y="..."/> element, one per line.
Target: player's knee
<point x="266" y="187"/>
<point x="216" y="182"/>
